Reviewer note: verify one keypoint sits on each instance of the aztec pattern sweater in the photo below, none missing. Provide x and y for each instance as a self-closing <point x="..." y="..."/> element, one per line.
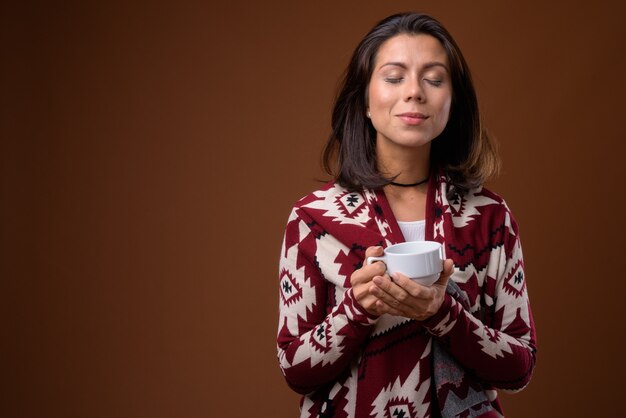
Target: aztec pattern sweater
<point x="349" y="363"/>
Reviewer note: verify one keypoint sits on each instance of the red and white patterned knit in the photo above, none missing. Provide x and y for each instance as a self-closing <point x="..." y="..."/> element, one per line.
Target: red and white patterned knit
<point x="349" y="363"/>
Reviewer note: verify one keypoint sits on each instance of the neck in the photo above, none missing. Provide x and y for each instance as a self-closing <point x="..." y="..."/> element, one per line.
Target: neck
<point x="407" y="164"/>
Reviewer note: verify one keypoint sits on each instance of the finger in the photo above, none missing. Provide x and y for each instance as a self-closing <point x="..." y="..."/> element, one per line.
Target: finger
<point x="401" y="280"/>
<point x="374" y="251"/>
<point x="383" y="307"/>
<point x="366" y="273"/>
<point x="419" y="292"/>
<point x="387" y="291"/>
<point x="385" y="284"/>
<point x="411" y="287"/>
<point x="365" y="299"/>
<point x="360" y="292"/>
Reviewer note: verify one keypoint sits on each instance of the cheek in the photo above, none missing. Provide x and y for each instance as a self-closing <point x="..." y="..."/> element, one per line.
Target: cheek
<point x="378" y="97"/>
<point x="444" y="110"/>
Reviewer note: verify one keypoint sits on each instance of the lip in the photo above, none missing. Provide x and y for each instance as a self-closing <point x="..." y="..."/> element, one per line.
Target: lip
<point x="412" y="118"/>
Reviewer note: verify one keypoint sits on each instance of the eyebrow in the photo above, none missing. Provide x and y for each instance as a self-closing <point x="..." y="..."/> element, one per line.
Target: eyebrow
<point x="425" y="66"/>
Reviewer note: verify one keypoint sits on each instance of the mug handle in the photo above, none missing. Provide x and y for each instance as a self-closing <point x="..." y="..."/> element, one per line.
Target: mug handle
<point x="371" y="260"/>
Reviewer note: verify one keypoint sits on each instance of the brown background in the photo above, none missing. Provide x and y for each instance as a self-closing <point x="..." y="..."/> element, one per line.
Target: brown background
<point x="151" y="153"/>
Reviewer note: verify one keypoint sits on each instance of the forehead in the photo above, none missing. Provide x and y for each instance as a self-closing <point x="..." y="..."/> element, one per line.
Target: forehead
<point x="411" y="50"/>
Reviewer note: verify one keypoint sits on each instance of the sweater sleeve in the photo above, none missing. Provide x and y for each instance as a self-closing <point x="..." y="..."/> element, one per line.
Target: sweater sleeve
<point x="500" y="347"/>
<point x="315" y="343"/>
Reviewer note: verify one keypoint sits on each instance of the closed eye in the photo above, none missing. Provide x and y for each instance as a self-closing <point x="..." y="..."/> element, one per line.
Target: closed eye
<point x="433" y="82"/>
<point x="393" y="80"/>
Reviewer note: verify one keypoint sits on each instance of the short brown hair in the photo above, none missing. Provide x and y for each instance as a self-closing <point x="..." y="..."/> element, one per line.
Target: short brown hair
<point x="463" y="150"/>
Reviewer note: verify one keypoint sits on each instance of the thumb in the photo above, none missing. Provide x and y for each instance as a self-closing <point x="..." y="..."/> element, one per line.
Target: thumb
<point x="448" y="269"/>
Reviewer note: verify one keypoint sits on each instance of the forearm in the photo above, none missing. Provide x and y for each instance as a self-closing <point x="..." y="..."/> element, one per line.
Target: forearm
<point x="503" y="357"/>
<point x="321" y="352"/>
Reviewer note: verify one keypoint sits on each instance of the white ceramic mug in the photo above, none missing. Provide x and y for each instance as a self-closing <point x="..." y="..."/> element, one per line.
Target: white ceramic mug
<point x="421" y="261"/>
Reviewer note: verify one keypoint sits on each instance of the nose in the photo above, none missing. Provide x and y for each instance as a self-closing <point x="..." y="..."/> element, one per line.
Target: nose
<point x="414" y="91"/>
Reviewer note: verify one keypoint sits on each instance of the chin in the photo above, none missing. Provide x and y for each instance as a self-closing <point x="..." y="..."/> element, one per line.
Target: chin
<point x="406" y="141"/>
<point x="415" y="143"/>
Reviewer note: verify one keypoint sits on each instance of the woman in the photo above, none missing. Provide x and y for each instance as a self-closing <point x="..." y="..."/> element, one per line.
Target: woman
<point x="409" y="157"/>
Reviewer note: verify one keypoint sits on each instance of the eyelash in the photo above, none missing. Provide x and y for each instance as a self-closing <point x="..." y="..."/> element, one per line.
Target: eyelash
<point x="434" y="83"/>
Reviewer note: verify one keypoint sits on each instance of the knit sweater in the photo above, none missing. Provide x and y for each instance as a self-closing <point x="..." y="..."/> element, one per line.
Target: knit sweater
<point x="347" y="362"/>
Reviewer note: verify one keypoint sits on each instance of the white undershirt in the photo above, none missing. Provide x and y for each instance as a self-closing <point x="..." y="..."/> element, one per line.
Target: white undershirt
<point x="414" y="230"/>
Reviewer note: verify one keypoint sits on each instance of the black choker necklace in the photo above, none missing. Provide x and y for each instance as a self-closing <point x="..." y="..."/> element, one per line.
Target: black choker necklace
<point x="409" y="184"/>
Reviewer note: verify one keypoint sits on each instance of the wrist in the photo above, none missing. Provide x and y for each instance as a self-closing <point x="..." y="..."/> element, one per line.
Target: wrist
<point x="355" y="311"/>
<point x="441" y="312"/>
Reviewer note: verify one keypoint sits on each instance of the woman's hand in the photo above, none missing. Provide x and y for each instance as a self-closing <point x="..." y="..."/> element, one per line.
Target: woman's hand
<point x="361" y="281"/>
<point x="402" y="296"/>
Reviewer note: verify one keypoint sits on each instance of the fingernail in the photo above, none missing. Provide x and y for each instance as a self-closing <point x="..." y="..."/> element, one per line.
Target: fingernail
<point x="378" y="280"/>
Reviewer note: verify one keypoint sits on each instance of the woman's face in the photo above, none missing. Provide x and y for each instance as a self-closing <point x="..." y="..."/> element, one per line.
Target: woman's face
<point x="410" y="91"/>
